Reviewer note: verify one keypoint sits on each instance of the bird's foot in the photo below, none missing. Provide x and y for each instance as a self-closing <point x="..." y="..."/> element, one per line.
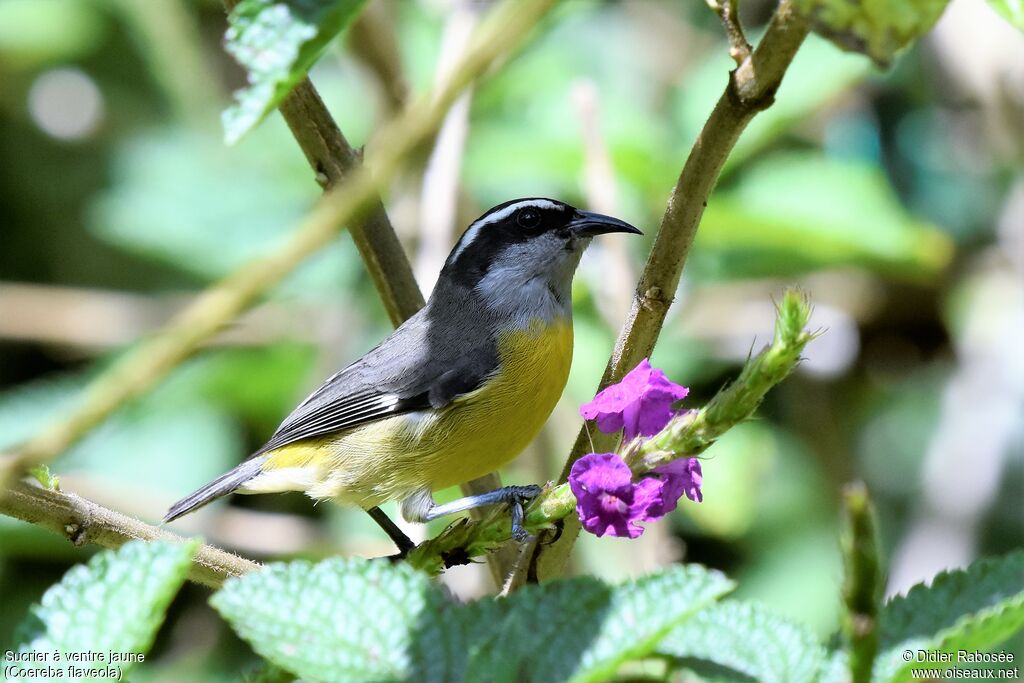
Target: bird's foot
<point x="519" y="496"/>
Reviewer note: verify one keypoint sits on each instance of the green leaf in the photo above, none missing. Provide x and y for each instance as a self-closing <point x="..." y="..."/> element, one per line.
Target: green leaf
<point x="34" y="33"/>
<point x="877" y="28"/>
<point x="267" y="673"/>
<point x="113" y="604"/>
<point x="750" y="639"/>
<point x="836" y="669"/>
<point x="799" y="211"/>
<point x="353" y="620"/>
<point x="971" y="609"/>
<point x="583" y="630"/>
<point x="277" y="41"/>
<point x="337" y="620"/>
<point x="1012" y="11"/>
<point x="159" y="206"/>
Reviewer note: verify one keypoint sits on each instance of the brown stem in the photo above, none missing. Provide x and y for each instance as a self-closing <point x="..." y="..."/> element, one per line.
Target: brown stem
<point x="729" y="13"/>
<point x="82" y="521"/>
<point x="333" y="159"/>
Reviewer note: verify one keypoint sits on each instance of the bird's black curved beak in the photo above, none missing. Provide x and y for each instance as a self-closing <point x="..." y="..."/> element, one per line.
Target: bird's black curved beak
<point x="588" y="224"/>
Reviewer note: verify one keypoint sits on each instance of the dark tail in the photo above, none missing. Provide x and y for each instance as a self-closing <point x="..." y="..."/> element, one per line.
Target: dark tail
<point x="222" y="485"/>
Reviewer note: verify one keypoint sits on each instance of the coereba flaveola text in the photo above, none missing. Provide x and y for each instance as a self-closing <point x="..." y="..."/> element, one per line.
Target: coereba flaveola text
<point x="458" y="390"/>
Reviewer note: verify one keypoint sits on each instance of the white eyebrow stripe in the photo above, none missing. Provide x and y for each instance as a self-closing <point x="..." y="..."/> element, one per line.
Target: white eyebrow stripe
<point x="474" y="229"/>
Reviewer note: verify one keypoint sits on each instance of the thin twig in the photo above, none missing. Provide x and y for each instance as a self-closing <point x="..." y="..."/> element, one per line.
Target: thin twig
<point x="751" y="89"/>
<point x="83" y="522"/>
<point x="729" y="13"/>
<point x="333" y="160"/>
<point x="150" y="362"/>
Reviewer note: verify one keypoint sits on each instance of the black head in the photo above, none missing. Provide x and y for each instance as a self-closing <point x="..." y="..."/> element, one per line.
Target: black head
<point x="537" y="229"/>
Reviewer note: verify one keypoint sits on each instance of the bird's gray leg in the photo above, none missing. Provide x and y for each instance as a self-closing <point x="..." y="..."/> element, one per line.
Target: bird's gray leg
<point x="422" y="508"/>
<point x="403" y="542"/>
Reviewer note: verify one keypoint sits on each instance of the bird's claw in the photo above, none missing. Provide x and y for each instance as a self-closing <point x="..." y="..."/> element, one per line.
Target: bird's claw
<point x="520" y="495"/>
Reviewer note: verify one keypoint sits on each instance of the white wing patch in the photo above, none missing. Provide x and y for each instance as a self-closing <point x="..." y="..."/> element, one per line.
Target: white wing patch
<point x="501" y="214"/>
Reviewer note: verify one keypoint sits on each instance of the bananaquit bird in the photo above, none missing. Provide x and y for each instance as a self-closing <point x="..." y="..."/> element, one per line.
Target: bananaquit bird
<point x="459" y="389"/>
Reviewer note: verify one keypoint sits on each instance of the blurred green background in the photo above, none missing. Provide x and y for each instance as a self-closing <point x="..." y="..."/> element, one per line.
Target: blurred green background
<point x="895" y="199"/>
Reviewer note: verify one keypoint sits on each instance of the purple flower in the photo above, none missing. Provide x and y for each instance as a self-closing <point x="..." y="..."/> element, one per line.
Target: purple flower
<point x="608" y="502"/>
<point x="641" y="404"/>
<point x="678" y="477"/>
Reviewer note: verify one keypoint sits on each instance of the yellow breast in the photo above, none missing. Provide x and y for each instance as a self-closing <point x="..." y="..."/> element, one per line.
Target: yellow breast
<point x="474" y="435"/>
<point x="490" y="426"/>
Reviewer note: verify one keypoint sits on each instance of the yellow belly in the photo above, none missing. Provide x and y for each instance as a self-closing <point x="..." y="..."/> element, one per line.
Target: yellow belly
<point x="475" y="434"/>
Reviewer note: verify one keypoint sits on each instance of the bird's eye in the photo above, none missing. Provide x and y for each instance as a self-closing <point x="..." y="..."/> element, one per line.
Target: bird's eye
<point x="528" y="218"/>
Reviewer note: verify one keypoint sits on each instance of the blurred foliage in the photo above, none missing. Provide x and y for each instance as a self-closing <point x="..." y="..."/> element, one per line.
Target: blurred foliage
<point x="35" y="33"/>
<point x="886" y="195"/>
<point x="1012" y="10"/>
<point x="800" y="212"/>
<point x="877" y="28"/>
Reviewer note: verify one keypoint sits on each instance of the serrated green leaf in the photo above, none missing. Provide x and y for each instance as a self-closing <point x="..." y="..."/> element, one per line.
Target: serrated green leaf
<point x="1011" y="10"/>
<point x="337" y="620"/>
<point x="971" y="609"/>
<point x="750" y="639"/>
<point x="113" y="604"/>
<point x="582" y="629"/>
<point x="277" y="41"/>
<point x="354" y="620"/>
<point x="877" y="28"/>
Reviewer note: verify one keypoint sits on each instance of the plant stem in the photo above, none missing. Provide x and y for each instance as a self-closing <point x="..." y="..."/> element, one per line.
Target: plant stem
<point x="862" y="587"/>
<point x="81" y="521"/>
<point x="729" y="13"/>
<point x="693" y="433"/>
<point x="751" y="89"/>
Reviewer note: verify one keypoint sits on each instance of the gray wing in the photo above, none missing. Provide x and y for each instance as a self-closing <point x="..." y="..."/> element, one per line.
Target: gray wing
<point x="413" y="369"/>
